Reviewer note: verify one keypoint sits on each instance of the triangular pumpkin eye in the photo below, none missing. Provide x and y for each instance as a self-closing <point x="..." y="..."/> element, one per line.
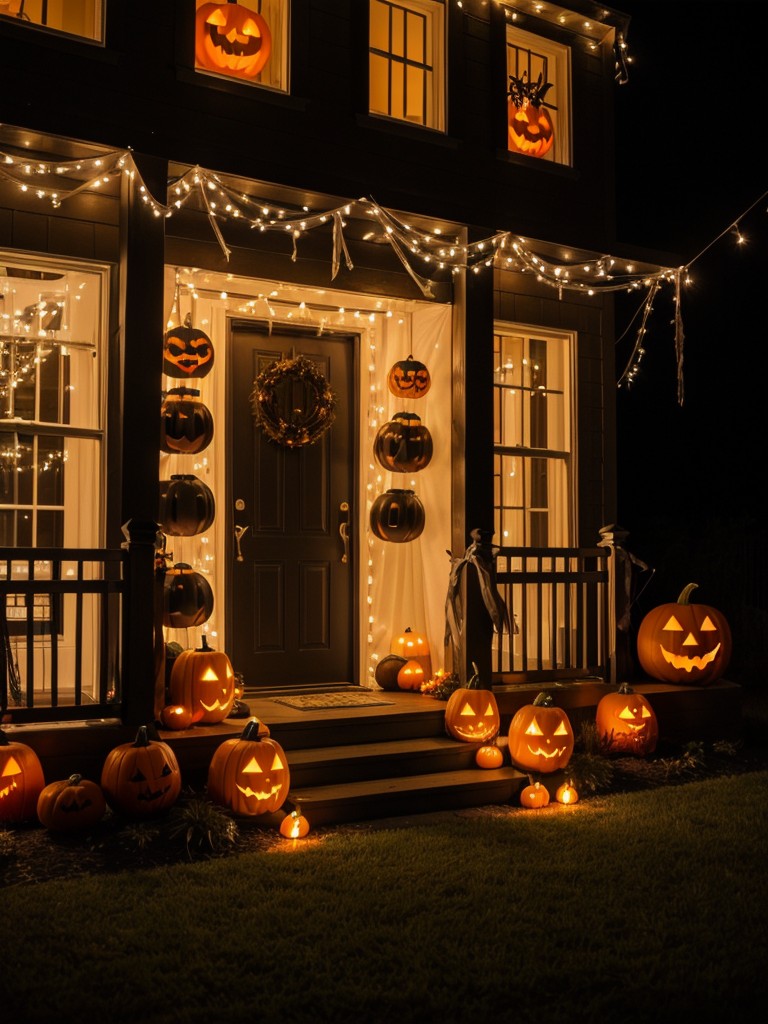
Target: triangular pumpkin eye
<point x="627" y="713"/>
<point x="252" y="766"/>
<point x="561" y="730"/>
<point x="534" y="729"/>
<point x="250" y="28"/>
<point x="708" y="624"/>
<point x="277" y="764"/>
<point x="216" y="17"/>
<point x="489" y="711"/>
<point x="646" y="712"/>
<point x="467" y="710"/>
<point x="12" y="766"/>
<point x="672" y="623"/>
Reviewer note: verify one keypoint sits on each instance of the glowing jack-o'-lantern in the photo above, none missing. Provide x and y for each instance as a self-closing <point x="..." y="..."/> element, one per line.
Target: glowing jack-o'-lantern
<point x="187" y="351"/>
<point x="626" y="723"/>
<point x="232" y="39"/>
<point x="567" y="793"/>
<point x="249" y="774"/>
<point x="414" y="647"/>
<point x="409" y="378"/>
<point x="540" y="736"/>
<point x="203" y="681"/>
<point x="71" y="804"/>
<point x="684" y="642"/>
<point x="294" y="825"/>
<point x="410" y="676"/>
<point x="472" y="713"/>
<point x="535" y="795"/>
<point x="21" y="780"/>
<point x="531" y="131"/>
<point x="141" y="779"/>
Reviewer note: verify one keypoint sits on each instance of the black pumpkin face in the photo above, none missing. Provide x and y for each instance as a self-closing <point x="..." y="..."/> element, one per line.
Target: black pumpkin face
<point x="187" y="352"/>
<point x="398" y="516"/>
<point x="187" y="597"/>
<point x="187" y="506"/>
<point x="409" y="378"/>
<point x="186" y="424"/>
<point x="404" y="445"/>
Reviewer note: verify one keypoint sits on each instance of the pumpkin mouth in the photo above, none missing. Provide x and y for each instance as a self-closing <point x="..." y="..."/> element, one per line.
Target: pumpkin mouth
<point x="260" y="794"/>
<point x="540" y="752"/>
<point x="8" y="789"/>
<point x="233" y="45"/>
<point x="150" y="795"/>
<point x="216" y="706"/>
<point x="687" y="664"/>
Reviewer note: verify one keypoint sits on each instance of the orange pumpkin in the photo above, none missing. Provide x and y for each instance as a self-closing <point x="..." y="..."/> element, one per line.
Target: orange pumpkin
<point x="566" y="794"/>
<point x="413" y="647"/>
<point x="489" y="756"/>
<point x="409" y="378"/>
<point x="531" y="130"/>
<point x="410" y="676"/>
<point x="203" y="681"/>
<point x="388" y="670"/>
<point x="249" y="774"/>
<point x="21" y="780"/>
<point x="294" y="825"/>
<point x="540" y="736"/>
<point x="232" y="39"/>
<point x="71" y="804"/>
<point x="535" y="795"/>
<point x="176" y="716"/>
<point x="626" y="723"/>
<point x="684" y="643"/>
<point x="141" y="779"/>
<point x="472" y="713"/>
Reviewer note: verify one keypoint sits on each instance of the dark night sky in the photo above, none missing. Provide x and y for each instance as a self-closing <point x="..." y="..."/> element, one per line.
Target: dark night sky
<point x="691" y="158"/>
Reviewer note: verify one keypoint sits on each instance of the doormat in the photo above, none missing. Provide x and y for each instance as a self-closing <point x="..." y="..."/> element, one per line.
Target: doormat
<point x="321" y="701"/>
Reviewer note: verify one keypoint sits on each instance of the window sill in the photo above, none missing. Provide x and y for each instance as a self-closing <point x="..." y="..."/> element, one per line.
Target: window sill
<point x="417" y="132"/>
<point x="546" y="166"/>
<point x="233" y="86"/>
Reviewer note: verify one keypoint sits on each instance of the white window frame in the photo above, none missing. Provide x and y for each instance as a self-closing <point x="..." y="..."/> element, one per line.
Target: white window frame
<point x="80" y="19"/>
<point x="558" y="63"/>
<point x="275" y="74"/>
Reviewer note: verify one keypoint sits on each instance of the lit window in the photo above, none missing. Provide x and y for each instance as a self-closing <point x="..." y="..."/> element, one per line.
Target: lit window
<point x="83" y="18"/>
<point x="247" y="41"/>
<point x="539" y="97"/>
<point x="406" y="61"/>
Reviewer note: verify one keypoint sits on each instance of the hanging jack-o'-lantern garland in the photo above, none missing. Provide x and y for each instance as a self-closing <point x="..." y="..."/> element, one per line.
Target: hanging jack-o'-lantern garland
<point x="187" y="351"/>
<point x="292" y="402"/>
<point x="531" y="130"/>
<point x="409" y="378"/>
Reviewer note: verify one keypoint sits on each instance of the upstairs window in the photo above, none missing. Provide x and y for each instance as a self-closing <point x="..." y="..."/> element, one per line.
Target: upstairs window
<point x="81" y="18"/>
<point x="246" y="41"/>
<point x="539" y="100"/>
<point x="407" y="61"/>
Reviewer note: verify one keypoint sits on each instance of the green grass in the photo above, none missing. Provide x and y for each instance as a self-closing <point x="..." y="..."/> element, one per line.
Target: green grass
<point x="636" y="907"/>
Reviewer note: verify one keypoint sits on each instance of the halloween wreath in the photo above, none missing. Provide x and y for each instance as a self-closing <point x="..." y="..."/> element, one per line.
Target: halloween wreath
<point x="292" y="402"/>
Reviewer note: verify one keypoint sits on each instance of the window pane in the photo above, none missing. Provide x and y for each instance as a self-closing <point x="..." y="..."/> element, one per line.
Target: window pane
<point x="83" y="18"/>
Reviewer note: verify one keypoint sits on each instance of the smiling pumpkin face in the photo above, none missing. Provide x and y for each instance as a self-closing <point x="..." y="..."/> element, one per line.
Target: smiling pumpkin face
<point x="141" y="779"/>
<point x="232" y="39"/>
<point x="540" y="736"/>
<point x="626" y="723"/>
<point x="249" y="775"/>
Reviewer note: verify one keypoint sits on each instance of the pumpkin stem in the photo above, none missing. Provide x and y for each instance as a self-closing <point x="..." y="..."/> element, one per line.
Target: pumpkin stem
<point x="142" y="737"/>
<point x="686" y="593"/>
<point x="204" y="644"/>
<point x="251" y="730"/>
<point x="74" y="780"/>
<point x="543" y="700"/>
<point x="474" y="682"/>
<point x="625" y="688"/>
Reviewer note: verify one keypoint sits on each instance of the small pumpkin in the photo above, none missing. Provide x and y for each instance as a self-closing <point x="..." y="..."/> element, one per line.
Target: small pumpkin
<point x="71" y="804"/>
<point x="21" y="780"/>
<point x="490" y="755"/>
<point x="535" y="795"/>
<point x="187" y="505"/>
<point x="626" y="723"/>
<point x="141" y="779"/>
<point x="540" y="736"/>
<point x="294" y="825"/>
<point x="684" y="643"/>
<point x="203" y="681"/>
<point x="472" y="712"/>
<point x="387" y="671"/>
<point x="410" y="676"/>
<point x="403" y="445"/>
<point x="186" y="423"/>
<point x="413" y="646"/>
<point x="397" y="516"/>
<point x="409" y="378"/>
<point x="187" y="597"/>
<point x="176" y="717"/>
<point x="249" y="774"/>
<point x="231" y="38"/>
<point x="567" y="793"/>
<point x="187" y="351"/>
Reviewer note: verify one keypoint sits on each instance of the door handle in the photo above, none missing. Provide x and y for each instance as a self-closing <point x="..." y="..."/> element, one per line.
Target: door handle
<point x="239" y="531"/>
<point x="344" y="529"/>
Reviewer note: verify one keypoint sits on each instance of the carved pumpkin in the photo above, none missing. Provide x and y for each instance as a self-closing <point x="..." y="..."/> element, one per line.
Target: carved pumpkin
<point x="530" y="129"/>
<point x="472" y="713"/>
<point x="387" y="671"/>
<point x="626" y="723"/>
<point x="489" y="756"/>
<point x="186" y="423"/>
<point x="231" y="39"/>
<point x="187" y="506"/>
<point x="176" y="717"/>
<point x="540" y="736"/>
<point x="413" y="647"/>
<point x="294" y="825"/>
<point x="409" y="378"/>
<point x="404" y="445"/>
<point x="187" y="597"/>
<point x="203" y="681"/>
<point x="21" y="780"/>
<point x="566" y="793"/>
<point x="410" y="676"/>
<point x="187" y="351"/>
<point x="71" y="804"/>
<point x="684" y="643"/>
<point x="249" y="774"/>
<point x="141" y="779"/>
<point x="397" y="516"/>
<point x="535" y="795"/>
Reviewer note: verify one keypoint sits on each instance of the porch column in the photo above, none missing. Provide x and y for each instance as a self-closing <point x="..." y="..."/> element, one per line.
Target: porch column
<point x="621" y="590"/>
<point x="141" y="629"/>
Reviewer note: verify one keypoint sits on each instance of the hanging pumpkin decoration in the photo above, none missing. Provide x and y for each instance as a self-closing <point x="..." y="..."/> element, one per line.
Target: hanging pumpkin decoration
<point x="540" y="736"/>
<point x="626" y="723"/>
<point x="414" y="647"/>
<point x="249" y="774"/>
<point x="535" y="795"/>
<point x="531" y="130"/>
<point x="21" y="780"/>
<point x="231" y="39"/>
<point x="409" y="378"/>
<point x="292" y="402"/>
<point x="387" y="671"/>
<point x="187" y="506"/>
<point x="294" y="825"/>
<point x="187" y="597"/>
<point x="187" y="351"/>
<point x="403" y="445"/>
<point x="472" y="712"/>
<point x="203" y="681"/>
<point x="684" y="643"/>
<point x="176" y="717"/>
<point x="490" y="755"/>
<point x="71" y="804"/>
<point x="397" y="516"/>
<point x="186" y="423"/>
<point x="141" y="779"/>
<point x="567" y="793"/>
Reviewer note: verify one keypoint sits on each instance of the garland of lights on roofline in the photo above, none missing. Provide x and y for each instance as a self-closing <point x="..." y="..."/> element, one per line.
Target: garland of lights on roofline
<point x="423" y="254"/>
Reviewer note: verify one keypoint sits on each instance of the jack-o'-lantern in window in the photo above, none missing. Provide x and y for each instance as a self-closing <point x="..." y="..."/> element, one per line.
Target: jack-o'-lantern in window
<point x="186" y="423"/>
<point x="626" y="723"/>
<point x="71" y="804"/>
<point x="684" y="642"/>
<point x="531" y="130"/>
<point x="21" y="780"/>
<point x="187" y="351"/>
<point x="231" y="39"/>
<point x="141" y="779"/>
<point x="249" y="774"/>
<point x="540" y="736"/>
<point x="409" y="378"/>
<point x="203" y="681"/>
<point x="472" y="713"/>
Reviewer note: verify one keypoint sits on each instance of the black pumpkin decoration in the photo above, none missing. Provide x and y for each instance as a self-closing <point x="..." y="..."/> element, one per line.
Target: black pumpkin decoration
<point x="398" y="516"/>
<point x="186" y="423"/>
<point x="404" y="445"/>
<point x="409" y="378"/>
<point x="187" y="506"/>
<point x="187" y="351"/>
<point x="187" y="597"/>
<point x="387" y="670"/>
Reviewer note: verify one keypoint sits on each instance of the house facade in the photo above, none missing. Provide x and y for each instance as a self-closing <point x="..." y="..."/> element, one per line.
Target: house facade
<point x="317" y="289"/>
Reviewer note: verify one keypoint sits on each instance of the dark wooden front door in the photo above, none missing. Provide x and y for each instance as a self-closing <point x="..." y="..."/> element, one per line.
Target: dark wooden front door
<point x="291" y="594"/>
